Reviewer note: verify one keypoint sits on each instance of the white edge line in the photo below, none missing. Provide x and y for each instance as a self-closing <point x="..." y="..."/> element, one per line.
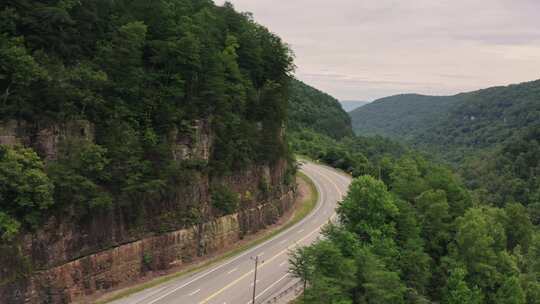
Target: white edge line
<point x="195" y="292"/>
<point x="272" y="285"/>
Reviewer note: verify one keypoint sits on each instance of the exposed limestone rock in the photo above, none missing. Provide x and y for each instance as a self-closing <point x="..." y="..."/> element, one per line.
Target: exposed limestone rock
<point x="71" y="257"/>
<point x="44" y="139"/>
<point x="109" y="268"/>
<point x="49" y="138"/>
<point x="12" y="133"/>
<point x="196" y="146"/>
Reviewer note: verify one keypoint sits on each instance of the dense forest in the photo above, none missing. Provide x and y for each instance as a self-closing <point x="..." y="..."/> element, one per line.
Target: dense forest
<point x="312" y="109"/>
<point x="356" y="155"/>
<point x="141" y="73"/>
<point x="401" y="116"/>
<point x="417" y="235"/>
<point x="510" y="173"/>
<point x="453" y="127"/>
<point x="319" y="128"/>
<point x="413" y="229"/>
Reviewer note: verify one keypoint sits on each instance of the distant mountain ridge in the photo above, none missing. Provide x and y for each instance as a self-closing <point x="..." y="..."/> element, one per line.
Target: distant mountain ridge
<point x="350" y="105"/>
<point x="396" y="116"/>
<point x="453" y="125"/>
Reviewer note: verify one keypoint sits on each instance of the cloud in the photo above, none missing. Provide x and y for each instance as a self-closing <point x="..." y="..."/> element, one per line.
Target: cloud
<point x="366" y="49"/>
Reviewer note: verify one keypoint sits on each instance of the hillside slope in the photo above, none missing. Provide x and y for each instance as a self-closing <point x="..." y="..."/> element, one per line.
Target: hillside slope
<point x="456" y="125"/>
<point x="312" y="109"/>
<point x="422" y="236"/>
<point x="400" y="115"/>
<point x="155" y="124"/>
<point x="484" y="119"/>
<point x="509" y="173"/>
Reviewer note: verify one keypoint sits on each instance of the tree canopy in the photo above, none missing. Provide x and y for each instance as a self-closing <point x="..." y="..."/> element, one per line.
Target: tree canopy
<point x="144" y="75"/>
<point x="453" y="127"/>
<point x="419" y="236"/>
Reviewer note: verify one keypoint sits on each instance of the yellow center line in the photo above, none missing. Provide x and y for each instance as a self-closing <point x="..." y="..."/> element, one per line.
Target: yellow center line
<point x="272" y="258"/>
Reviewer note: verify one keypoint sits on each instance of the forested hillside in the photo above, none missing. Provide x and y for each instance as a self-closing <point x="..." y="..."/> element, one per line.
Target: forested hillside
<point x="411" y="230"/>
<point x="312" y="109"/>
<point x="484" y="120"/>
<point x="510" y="173"/>
<point x="454" y="126"/>
<point x="417" y="235"/>
<point x="137" y="136"/>
<point x="124" y="120"/>
<point x="320" y="129"/>
<point x="400" y="116"/>
<point x="136" y="71"/>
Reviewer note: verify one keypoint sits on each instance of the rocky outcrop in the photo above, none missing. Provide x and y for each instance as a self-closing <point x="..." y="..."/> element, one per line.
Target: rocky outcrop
<point x="44" y="139"/>
<point x="195" y="146"/>
<point x="109" y="268"/>
<point x="10" y="133"/>
<point x="74" y="256"/>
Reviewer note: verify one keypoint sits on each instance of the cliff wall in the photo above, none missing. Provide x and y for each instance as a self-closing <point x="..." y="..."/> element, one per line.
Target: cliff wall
<point x="73" y="256"/>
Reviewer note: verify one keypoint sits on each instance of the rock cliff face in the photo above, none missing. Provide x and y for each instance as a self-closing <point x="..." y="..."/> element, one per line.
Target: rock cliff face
<point x="44" y="139"/>
<point x="72" y="257"/>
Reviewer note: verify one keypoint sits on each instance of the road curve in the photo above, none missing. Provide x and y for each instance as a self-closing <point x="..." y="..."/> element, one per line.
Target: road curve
<point x="231" y="281"/>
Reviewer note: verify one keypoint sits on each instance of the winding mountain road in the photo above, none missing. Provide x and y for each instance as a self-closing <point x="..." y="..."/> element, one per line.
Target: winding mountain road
<point x="231" y="281"/>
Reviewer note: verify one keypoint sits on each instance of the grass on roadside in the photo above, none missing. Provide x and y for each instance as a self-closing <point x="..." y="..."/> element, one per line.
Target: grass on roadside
<point x="304" y="209"/>
<point x="306" y="206"/>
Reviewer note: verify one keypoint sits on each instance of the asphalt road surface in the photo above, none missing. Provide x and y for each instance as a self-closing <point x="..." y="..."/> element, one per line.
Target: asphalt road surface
<point x="231" y="281"/>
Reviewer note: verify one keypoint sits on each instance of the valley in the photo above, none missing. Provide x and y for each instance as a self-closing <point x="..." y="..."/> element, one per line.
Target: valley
<point x="150" y="153"/>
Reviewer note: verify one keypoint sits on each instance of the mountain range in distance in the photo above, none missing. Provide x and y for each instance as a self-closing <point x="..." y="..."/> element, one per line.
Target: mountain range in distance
<point x="350" y="105"/>
<point x="454" y="126"/>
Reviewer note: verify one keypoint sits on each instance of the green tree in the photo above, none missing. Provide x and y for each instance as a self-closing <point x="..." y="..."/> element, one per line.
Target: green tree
<point x="369" y="209"/>
<point x="407" y="181"/>
<point x="533" y="257"/>
<point x="224" y="199"/>
<point x="510" y="292"/>
<point x="434" y="218"/>
<point x="301" y="264"/>
<point x="414" y="263"/>
<point x="25" y="189"/>
<point x="458" y="292"/>
<point x="18" y="70"/>
<point x="123" y="58"/>
<point x="479" y="240"/>
<point x="79" y="176"/>
<point x="533" y="293"/>
<point x="459" y="199"/>
<point x="519" y="228"/>
<point x="376" y="284"/>
<point x="9" y="227"/>
<point x="332" y="275"/>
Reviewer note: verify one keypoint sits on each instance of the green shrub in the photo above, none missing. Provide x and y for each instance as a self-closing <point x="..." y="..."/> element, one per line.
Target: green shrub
<point x="224" y="199"/>
<point x="78" y="175"/>
<point x="25" y="190"/>
<point x="264" y="188"/>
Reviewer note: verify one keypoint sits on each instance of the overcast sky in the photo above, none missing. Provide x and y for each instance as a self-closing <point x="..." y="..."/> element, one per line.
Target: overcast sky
<point x="367" y="49"/>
